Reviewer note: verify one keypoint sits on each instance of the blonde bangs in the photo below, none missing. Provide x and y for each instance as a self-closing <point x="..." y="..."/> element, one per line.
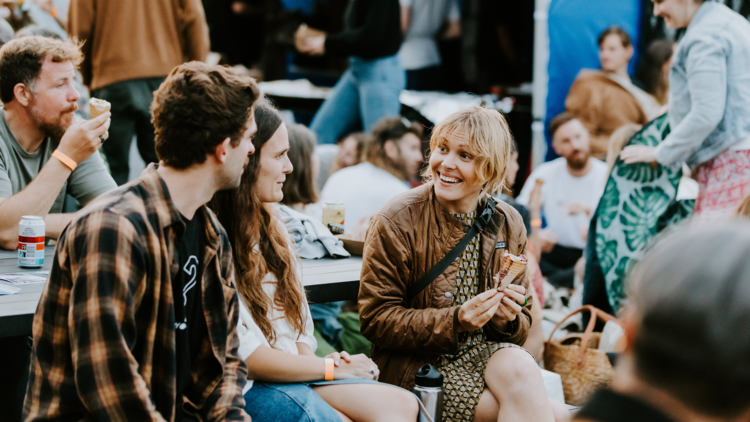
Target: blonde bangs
<point x="486" y="136"/>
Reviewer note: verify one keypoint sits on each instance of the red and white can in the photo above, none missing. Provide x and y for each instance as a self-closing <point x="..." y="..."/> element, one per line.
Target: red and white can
<point x="31" y="242"/>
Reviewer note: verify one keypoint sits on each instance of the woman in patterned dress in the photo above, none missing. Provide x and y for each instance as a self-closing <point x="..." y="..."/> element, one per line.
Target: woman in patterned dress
<point x="460" y="322"/>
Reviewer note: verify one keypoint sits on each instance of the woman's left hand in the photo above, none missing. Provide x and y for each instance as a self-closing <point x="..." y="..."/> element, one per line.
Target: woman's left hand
<point x="638" y="154"/>
<point x="510" y="305"/>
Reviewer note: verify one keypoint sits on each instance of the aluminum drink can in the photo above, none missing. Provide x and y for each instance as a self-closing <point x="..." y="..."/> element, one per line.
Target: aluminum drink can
<point x="333" y="217"/>
<point x="31" y="242"/>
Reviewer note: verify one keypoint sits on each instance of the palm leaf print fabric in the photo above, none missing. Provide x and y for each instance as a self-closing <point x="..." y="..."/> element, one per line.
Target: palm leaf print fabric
<point x="639" y="201"/>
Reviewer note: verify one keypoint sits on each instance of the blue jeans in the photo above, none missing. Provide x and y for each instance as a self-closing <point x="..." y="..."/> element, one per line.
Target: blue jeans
<point x="272" y="402"/>
<point x="368" y="91"/>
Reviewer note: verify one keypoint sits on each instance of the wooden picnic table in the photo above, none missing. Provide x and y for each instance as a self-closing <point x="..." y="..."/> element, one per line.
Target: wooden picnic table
<point x="326" y="280"/>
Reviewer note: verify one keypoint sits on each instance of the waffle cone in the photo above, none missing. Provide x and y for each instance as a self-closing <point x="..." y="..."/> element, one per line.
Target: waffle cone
<point x="511" y="266"/>
<point x="98" y="107"/>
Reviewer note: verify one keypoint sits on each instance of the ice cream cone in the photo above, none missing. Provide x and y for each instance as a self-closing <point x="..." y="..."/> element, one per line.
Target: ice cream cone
<point x="98" y="107"/>
<point x="511" y="266"/>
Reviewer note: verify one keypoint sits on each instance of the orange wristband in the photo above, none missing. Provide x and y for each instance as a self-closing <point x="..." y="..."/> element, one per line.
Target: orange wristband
<point x="536" y="222"/>
<point x="329" y="369"/>
<point x="67" y="161"/>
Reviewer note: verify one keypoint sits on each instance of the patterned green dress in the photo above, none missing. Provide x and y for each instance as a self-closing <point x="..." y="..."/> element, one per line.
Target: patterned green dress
<point x="463" y="373"/>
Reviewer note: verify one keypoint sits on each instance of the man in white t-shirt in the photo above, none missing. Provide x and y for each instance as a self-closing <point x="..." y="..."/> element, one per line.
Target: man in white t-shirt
<point x="391" y="157"/>
<point x="572" y="187"/>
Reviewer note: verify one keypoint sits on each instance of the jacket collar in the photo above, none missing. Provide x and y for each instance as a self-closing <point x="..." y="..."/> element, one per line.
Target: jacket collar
<point x="163" y="208"/>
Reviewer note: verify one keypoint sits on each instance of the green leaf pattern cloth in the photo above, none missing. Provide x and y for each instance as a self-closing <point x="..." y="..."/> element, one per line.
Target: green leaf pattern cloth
<point x="639" y="201"/>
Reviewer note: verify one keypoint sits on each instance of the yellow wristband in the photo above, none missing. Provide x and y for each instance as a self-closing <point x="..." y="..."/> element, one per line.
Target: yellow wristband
<point x="329" y="369"/>
<point x="67" y="161"/>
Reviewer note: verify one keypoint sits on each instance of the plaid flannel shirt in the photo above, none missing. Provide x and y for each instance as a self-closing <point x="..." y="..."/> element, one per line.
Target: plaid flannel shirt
<point x="104" y="340"/>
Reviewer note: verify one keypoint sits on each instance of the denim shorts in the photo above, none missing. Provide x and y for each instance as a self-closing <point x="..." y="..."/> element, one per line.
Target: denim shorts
<point x="276" y="402"/>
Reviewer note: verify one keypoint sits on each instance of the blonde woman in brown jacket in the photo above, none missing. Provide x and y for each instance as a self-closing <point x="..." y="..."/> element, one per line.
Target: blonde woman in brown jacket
<point x="460" y="322"/>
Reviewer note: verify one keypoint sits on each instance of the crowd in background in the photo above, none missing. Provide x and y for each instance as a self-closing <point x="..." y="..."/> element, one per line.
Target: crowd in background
<point x="648" y="164"/>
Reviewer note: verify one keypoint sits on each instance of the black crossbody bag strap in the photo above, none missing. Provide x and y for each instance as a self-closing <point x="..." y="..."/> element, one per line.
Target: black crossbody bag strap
<point x="450" y="257"/>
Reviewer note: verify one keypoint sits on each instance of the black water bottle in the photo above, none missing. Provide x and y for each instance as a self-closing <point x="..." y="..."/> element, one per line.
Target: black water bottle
<point x="429" y="389"/>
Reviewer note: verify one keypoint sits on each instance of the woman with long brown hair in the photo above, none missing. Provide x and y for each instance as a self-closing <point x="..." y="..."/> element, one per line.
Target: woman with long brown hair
<point x="276" y="330"/>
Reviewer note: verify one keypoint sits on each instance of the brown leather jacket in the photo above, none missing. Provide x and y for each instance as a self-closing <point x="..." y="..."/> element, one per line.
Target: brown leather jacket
<point x="409" y="235"/>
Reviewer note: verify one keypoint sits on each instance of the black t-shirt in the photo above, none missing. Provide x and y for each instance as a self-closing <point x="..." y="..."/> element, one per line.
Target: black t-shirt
<point x="190" y="324"/>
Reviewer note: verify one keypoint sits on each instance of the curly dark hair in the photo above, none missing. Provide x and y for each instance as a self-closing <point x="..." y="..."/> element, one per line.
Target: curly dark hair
<point x="196" y="108"/>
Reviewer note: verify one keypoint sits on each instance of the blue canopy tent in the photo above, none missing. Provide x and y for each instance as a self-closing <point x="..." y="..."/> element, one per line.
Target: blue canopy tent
<point x="574" y="27"/>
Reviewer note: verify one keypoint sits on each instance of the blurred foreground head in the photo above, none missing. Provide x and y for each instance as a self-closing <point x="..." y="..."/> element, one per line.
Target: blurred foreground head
<point x="688" y="320"/>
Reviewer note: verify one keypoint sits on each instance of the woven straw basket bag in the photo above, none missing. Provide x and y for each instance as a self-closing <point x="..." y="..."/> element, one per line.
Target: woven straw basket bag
<point x="582" y="367"/>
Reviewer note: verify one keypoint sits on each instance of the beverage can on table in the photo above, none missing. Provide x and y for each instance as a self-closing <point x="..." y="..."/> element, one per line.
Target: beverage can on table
<point x="333" y="217"/>
<point x="31" y="241"/>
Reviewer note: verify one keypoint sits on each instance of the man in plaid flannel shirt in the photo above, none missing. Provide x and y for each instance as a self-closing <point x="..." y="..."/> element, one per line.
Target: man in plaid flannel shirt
<point x="105" y="331"/>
